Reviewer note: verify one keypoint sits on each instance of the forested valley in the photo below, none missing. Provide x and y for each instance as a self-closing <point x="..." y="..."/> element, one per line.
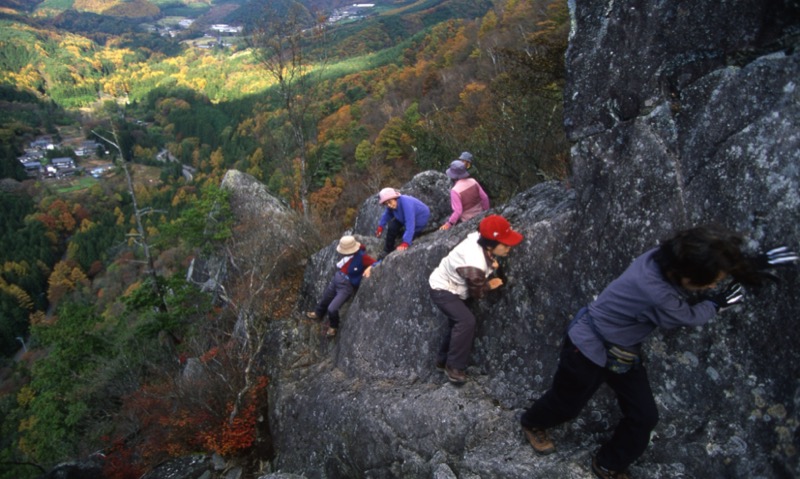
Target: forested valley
<point x="97" y="316"/>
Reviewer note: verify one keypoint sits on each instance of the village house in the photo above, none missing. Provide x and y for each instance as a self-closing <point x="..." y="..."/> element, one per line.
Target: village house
<point x="225" y="28"/>
<point x="42" y="144"/>
<point x="32" y="168"/>
<point x="353" y="12"/>
<point x="62" y="163"/>
<point x="30" y="155"/>
<point x="63" y="166"/>
<point x="87" y="148"/>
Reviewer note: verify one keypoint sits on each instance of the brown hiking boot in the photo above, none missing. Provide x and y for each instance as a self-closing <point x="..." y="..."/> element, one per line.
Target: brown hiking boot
<point x="331" y="332"/>
<point x="540" y="440"/>
<point x="311" y="315"/>
<point x="455" y="376"/>
<point x="602" y="473"/>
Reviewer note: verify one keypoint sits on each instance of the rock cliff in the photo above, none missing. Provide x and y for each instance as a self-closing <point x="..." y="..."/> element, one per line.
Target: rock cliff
<point x="680" y="113"/>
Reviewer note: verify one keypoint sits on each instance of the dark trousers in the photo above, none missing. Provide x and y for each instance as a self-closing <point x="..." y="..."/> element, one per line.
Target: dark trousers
<point x="457" y="343"/>
<point x="394" y="230"/>
<point x="575" y="382"/>
<point x="336" y="293"/>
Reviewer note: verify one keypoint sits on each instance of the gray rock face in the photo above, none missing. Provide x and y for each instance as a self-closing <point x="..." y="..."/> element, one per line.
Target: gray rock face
<point x="183" y="468"/>
<point x="625" y="59"/>
<point x="266" y="226"/>
<point x="680" y="114"/>
<point x="251" y="198"/>
<point x="90" y="468"/>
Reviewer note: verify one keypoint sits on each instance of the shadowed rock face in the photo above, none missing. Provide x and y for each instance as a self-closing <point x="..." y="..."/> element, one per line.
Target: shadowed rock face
<point x="680" y="114"/>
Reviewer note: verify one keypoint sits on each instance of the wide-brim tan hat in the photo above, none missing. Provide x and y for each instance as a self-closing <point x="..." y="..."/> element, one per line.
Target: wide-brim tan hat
<point x="348" y="245"/>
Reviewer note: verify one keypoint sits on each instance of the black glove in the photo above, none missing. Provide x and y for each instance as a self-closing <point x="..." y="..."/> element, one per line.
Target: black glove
<point x="730" y="296"/>
<point x="500" y="272"/>
<point x="776" y="257"/>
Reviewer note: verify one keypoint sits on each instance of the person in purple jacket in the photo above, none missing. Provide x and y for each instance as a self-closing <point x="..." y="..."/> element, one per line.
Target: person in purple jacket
<point x="669" y="286"/>
<point x="404" y="216"/>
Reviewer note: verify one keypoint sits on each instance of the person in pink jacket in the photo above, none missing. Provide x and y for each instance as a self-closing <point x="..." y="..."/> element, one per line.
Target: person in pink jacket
<point x="467" y="198"/>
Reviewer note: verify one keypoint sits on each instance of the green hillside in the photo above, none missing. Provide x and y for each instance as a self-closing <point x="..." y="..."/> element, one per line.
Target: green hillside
<point x="100" y="258"/>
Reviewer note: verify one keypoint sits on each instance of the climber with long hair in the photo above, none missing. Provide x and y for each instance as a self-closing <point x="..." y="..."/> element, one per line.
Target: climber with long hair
<point x="685" y="281"/>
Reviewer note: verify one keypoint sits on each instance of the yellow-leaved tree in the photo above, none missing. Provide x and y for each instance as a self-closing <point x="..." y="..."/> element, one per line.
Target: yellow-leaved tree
<point x="66" y="277"/>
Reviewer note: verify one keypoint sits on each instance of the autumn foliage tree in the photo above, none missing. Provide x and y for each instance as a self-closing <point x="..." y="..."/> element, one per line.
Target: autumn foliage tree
<point x="66" y="277"/>
<point x="507" y="111"/>
<point x="57" y="217"/>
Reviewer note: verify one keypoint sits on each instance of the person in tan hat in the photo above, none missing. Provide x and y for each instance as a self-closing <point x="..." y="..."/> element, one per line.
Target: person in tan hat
<point x="351" y="267"/>
<point x="467" y="198"/>
<point x="465" y="272"/>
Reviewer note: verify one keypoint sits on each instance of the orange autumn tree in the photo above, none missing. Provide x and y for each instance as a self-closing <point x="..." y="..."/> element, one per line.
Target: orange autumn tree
<point x="238" y="433"/>
<point x="176" y="418"/>
<point x="324" y="200"/>
<point x="66" y="277"/>
<point x="57" y="217"/>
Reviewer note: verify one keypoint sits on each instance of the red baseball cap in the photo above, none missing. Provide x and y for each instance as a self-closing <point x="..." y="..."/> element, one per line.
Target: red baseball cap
<point x="495" y="227"/>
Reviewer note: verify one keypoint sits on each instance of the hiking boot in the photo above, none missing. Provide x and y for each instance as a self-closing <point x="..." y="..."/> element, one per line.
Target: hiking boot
<point x="455" y="376"/>
<point x="440" y="366"/>
<point x="312" y="315"/>
<point x="540" y="440"/>
<point x="331" y="332"/>
<point x="602" y="473"/>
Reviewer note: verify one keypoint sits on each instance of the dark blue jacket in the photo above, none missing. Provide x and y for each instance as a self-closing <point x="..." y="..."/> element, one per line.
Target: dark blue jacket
<point x="632" y="306"/>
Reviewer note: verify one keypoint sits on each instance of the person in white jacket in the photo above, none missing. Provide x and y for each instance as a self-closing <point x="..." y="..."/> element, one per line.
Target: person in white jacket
<point x="465" y="272"/>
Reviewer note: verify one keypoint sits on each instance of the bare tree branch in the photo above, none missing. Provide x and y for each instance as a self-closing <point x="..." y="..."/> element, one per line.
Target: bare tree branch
<point x="137" y="213"/>
<point x="279" y="42"/>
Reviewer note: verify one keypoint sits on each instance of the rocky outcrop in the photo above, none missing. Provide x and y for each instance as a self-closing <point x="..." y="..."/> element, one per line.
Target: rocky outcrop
<point x="680" y="114"/>
<point x="371" y="404"/>
<point x="89" y="468"/>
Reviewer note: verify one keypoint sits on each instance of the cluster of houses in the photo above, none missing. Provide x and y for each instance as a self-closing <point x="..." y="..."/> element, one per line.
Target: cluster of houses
<point x="167" y="31"/>
<point x="38" y="166"/>
<point x="216" y="35"/>
<point x="211" y="38"/>
<point x="355" y="11"/>
<point x="225" y="28"/>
